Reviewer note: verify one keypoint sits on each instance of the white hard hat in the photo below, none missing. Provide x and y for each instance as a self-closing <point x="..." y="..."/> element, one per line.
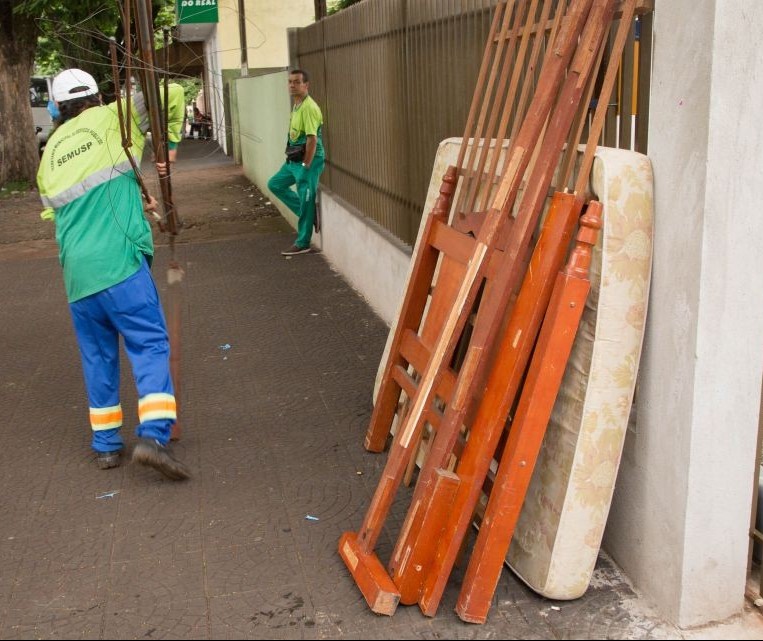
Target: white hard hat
<point x="73" y="83"/>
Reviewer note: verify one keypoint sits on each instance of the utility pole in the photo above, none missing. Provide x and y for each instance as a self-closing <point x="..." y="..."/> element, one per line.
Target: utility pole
<point x="242" y="37"/>
<point x="320" y="9"/>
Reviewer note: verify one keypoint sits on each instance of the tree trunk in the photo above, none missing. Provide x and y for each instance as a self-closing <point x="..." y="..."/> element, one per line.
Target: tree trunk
<point x="19" y="156"/>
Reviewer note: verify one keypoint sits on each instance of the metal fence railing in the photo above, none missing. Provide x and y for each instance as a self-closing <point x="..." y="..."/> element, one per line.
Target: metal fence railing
<point x="396" y="77"/>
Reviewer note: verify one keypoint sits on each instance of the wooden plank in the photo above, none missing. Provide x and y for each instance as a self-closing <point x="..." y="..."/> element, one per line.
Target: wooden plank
<point x="422" y="271"/>
<point x="369" y="575"/>
<point x="501" y="102"/>
<point x="518" y="71"/>
<point x="595" y="30"/>
<point x="458" y="246"/>
<point x="408" y="385"/>
<point x="529" y="426"/>
<point x="553" y="29"/>
<point x="437" y="505"/>
<point x="513" y="353"/>
<point x="417" y="354"/>
<point x="576" y="133"/>
<point x="477" y="153"/>
<point x="500" y="14"/>
<point x="448" y="279"/>
<point x="628" y="9"/>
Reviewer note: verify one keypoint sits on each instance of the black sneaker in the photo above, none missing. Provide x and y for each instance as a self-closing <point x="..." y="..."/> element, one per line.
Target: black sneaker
<point x="107" y="460"/>
<point x="149" y="452"/>
<point x="294" y="250"/>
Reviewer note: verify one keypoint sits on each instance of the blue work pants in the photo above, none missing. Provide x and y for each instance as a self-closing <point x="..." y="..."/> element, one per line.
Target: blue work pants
<point x="130" y="309"/>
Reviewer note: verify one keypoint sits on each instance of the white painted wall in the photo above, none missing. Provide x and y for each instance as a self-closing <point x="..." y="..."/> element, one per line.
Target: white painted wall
<point x="264" y="106"/>
<point x="374" y="262"/>
<point x="679" y="521"/>
<point x="266" y="24"/>
<point x="214" y="85"/>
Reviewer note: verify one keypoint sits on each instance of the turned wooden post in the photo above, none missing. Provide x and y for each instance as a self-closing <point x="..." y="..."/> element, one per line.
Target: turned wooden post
<point x="411" y="312"/>
<point x="536" y="403"/>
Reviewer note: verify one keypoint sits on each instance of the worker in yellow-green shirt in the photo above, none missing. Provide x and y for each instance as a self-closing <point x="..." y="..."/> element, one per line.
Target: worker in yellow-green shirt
<point x="304" y="164"/>
<point x="89" y="188"/>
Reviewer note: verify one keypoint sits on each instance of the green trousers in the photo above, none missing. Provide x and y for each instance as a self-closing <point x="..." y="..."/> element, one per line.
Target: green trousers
<point x="302" y="201"/>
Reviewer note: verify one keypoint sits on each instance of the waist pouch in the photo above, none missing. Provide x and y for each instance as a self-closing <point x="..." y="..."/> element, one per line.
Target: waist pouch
<point x="295" y="153"/>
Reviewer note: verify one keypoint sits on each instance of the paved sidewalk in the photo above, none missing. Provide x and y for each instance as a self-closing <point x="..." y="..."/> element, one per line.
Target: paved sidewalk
<point x="278" y="363"/>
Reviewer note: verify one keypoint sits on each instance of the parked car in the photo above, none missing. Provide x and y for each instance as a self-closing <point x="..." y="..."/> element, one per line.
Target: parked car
<point x="39" y="95"/>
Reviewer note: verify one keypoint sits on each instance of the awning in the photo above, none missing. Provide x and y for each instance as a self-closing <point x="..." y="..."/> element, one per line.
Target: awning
<point x="194" y="32"/>
<point x="186" y="58"/>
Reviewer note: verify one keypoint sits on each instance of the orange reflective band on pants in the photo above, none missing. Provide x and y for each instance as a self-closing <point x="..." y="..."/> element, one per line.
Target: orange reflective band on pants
<point x="157" y="406"/>
<point x="129" y="310"/>
<point x="105" y="418"/>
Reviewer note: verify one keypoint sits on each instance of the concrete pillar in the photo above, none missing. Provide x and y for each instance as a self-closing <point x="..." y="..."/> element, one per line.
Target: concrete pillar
<point x="679" y="521"/>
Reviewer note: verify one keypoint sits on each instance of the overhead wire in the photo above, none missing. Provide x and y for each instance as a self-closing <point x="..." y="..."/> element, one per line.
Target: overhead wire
<point x="69" y="33"/>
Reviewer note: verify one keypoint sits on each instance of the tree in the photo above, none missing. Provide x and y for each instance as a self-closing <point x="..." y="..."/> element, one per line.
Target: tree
<point x="64" y="34"/>
<point x="70" y="34"/>
<point x="18" y="144"/>
<point x="338" y="5"/>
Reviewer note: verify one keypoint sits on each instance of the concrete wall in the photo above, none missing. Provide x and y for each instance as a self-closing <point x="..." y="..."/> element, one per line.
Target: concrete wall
<point x="374" y="262"/>
<point x="263" y="106"/>
<point x="266" y="24"/>
<point x="679" y="522"/>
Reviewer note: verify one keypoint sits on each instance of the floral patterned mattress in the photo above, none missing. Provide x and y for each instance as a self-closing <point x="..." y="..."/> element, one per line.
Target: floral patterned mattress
<point x="559" y="532"/>
<point x="557" y="539"/>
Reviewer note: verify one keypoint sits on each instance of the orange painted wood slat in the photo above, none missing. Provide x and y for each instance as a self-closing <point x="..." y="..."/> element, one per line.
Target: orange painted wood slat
<point x="447" y="282"/>
<point x="417" y="354"/>
<point x="408" y="385"/>
<point x="477" y="456"/>
<point x="411" y="312"/>
<point x="501" y="15"/>
<point x="369" y="575"/>
<point x="628" y="9"/>
<point x="496" y="52"/>
<point x="453" y="243"/>
<point x="512" y="355"/>
<point x="436" y="506"/>
<point x="523" y="33"/>
<point x="529" y="426"/>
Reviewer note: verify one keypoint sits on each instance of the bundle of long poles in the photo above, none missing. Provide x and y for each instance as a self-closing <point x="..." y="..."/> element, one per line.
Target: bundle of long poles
<point x="150" y="84"/>
<point x="137" y="13"/>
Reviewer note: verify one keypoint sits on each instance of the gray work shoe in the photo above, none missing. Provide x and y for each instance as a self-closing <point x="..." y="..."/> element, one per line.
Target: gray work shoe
<point x="107" y="460"/>
<point x="294" y="250"/>
<point x="149" y="452"/>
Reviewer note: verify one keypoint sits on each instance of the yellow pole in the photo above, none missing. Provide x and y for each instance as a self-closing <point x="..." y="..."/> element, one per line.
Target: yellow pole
<point x="634" y="86"/>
